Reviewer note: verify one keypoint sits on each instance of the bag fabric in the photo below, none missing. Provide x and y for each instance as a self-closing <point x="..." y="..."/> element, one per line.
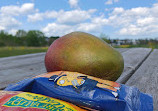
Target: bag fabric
<point x="86" y="91"/>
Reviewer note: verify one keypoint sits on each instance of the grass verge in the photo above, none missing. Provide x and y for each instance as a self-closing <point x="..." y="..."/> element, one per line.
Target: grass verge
<point x="153" y="46"/>
<point x="13" y="51"/>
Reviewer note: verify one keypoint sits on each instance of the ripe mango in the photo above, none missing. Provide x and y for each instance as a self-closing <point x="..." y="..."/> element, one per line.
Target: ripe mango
<point x="84" y="53"/>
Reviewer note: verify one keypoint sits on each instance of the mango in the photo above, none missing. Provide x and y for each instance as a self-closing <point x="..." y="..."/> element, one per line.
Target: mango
<point x="84" y="53"/>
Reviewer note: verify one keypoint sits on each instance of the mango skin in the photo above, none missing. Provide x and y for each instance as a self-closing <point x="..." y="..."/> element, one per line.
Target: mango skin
<point x="84" y="53"/>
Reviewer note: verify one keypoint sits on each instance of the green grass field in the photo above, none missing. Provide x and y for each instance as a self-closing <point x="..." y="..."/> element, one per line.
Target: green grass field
<point x="13" y="51"/>
<point x="153" y="46"/>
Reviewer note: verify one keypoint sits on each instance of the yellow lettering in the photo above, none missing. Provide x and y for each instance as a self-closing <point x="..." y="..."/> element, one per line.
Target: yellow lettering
<point x="19" y="102"/>
<point x="24" y="101"/>
<point x="31" y="104"/>
<point x="36" y="104"/>
<point x="14" y="102"/>
<point x="51" y="107"/>
<point x="28" y="103"/>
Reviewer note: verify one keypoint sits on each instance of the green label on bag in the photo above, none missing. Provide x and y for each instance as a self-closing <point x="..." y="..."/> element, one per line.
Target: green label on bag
<point x="31" y="100"/>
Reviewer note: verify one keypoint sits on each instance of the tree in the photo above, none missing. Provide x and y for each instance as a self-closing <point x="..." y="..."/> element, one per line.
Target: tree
<point x="2" y="37"/>
<point x="21" y="33"/>
<point x="35" y="38"/>
<point x="52" y="39"/>
<point x="6" y="39"/>
<point x="105" y="38"/>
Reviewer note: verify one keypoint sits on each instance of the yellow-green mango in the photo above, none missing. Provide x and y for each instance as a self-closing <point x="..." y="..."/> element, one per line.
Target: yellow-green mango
<point x="84" y="53"/>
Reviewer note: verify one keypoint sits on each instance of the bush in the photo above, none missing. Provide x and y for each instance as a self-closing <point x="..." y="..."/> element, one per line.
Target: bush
<point x="2" y="44"/>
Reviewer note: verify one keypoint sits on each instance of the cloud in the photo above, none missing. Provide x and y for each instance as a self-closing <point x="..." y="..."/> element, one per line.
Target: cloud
<point x="2" y="28"/>
<point x="139" y="21"/>
<point x="135" y="21"/>
<point x="110" y="2"/>
<point x="57" y="29"/>
<point x="74" y="16"/>
<point x="95" y="25"/>
<point x="63" y="17"/>
<point x="9" y="15"/>
<point x="40" y="16"/>
<point x="73" y="3"/>
<point x="131" y="30"/>
<point x="117" y="10"/>
<point x="7" y="22"/>
<point x="89" y="27"/>
<point x="74" y="20"/>
<point x="14" y="10"/>
<point x="145" y="21"/>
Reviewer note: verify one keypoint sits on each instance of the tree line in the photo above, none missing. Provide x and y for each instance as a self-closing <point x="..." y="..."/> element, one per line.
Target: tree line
<point x="36" y="38"/>
<point x="32" y="38"/>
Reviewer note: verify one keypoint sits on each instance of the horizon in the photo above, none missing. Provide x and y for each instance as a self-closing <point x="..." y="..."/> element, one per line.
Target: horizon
<point x="115" y="18"/>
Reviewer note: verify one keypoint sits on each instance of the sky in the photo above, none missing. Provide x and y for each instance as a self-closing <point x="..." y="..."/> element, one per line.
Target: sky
<point x="130" y="19"/>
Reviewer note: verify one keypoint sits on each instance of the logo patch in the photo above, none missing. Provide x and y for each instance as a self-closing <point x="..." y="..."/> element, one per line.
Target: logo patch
<point x="30" y="100"/>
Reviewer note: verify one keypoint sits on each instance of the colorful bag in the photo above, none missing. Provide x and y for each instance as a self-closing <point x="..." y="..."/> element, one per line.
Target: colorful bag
<point x="86" y="91"/>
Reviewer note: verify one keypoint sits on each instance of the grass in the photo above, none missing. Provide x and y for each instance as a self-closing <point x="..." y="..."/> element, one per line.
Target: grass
<point x="153" y="46"/>
<point x="13" y="51"/>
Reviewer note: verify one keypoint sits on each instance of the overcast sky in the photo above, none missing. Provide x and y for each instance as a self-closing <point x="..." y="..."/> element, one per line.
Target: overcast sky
<point x="115" y="18"/>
